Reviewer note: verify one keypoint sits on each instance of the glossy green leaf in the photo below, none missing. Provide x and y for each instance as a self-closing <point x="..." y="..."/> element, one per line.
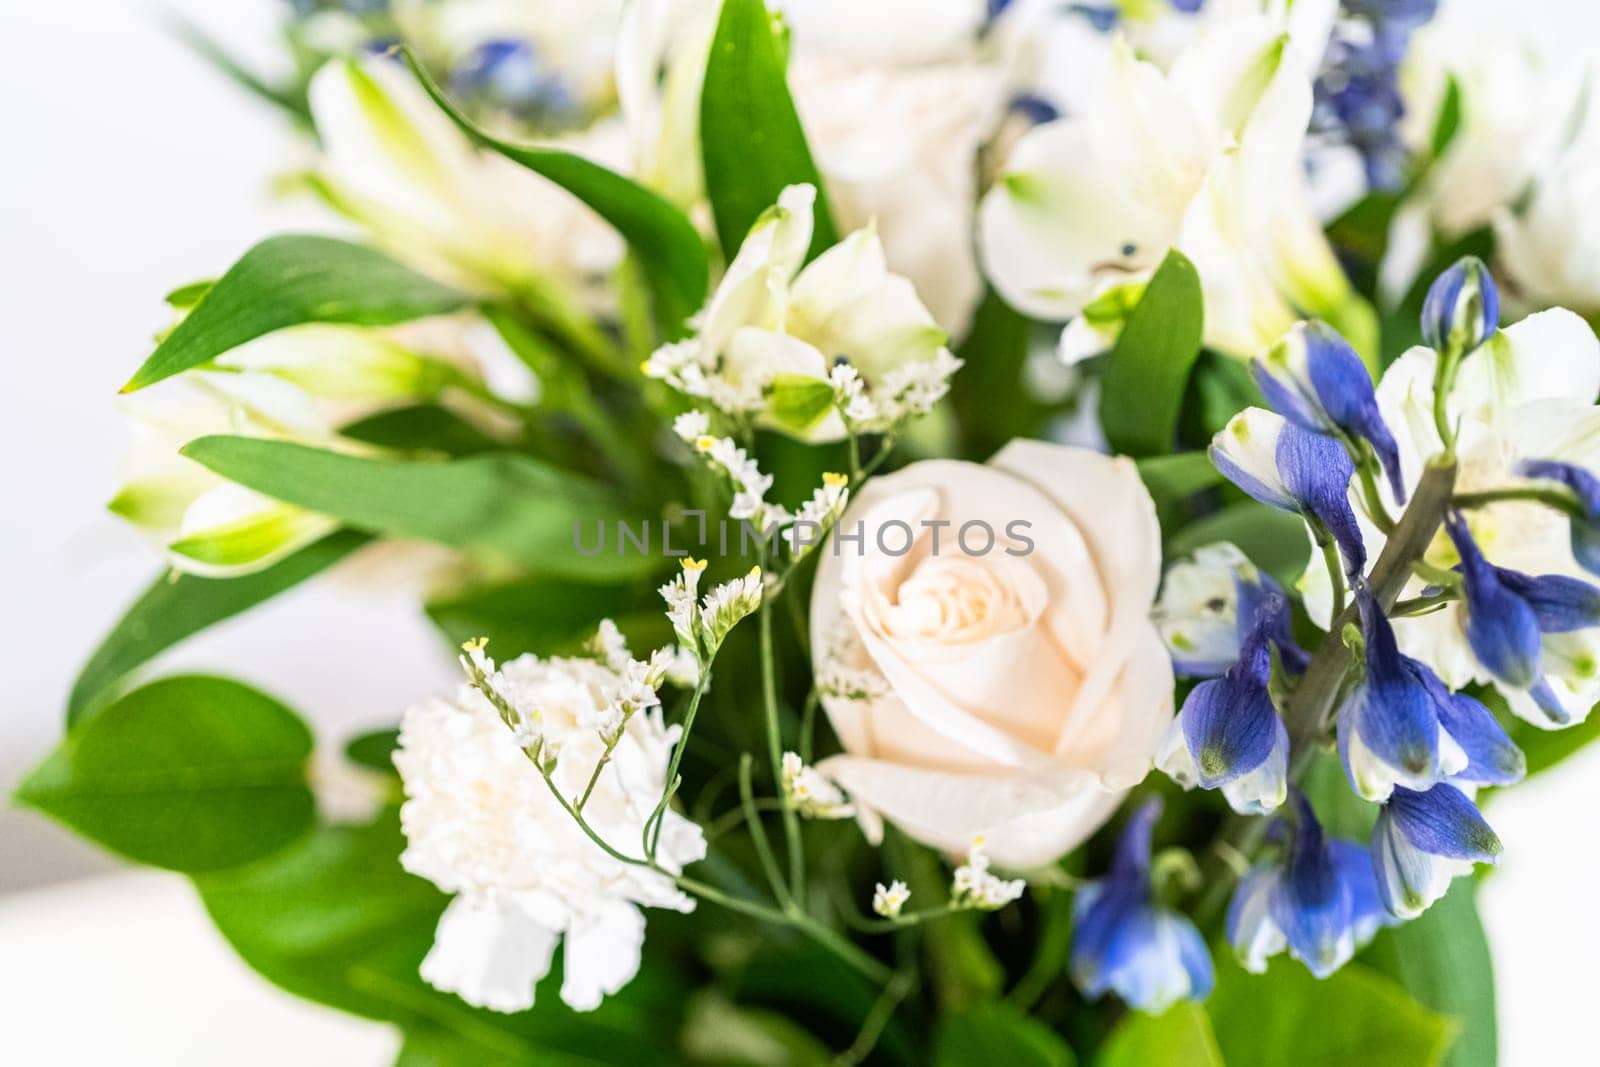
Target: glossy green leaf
<point x="990" y="396"/>
<point x="799" y="402"/>
<point x="191" y="773"/>
<point x="998" y="1034"/>
<point x="1274" y="540"/>
<point x="1141" y="390"/>
<point x="1442" y="959"/>
<point x="1179" y="1037"/>
<point x="751" y="142"/>
<point x="1547" y="748"/>
<point x="668" y="247"/>
<point x="1172" y="478"/>
<point x="547" y="615"/>
<point x="373" y="750"/>
<point x="289" y="280"/>
<point x="177" y="606"/>
<point x="422" y="428"/>
<point x="504" y="508"/>
<point x="1288" y="1017"/>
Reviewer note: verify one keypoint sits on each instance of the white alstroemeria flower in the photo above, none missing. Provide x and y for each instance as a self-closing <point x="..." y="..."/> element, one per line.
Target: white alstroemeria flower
<point x="1528" y="393"/>
<point x="396" y="164"/>
<point x="1204" y="158"/>
<point x="481" y="823"/>
<point x="207" y="525"/>
<point x="894" y="119"/>
<point x="767" y="341"/>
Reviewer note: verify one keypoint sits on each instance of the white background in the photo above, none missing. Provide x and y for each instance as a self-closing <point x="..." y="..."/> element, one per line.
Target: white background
<point x="129" y="168"/>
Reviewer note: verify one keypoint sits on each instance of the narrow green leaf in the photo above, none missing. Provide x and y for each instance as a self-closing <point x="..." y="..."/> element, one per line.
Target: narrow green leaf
<point x="1288" y="1017"/>
<point x="1274" y="540"/>
<point x="422" y="427"/>
<point x="503" y="507"/>
<point x="1141" y="391"/>
<point x="1171" y="478"/>
<point x="751" y="142"/>
<point x="1179" y="1037"/>
<point x="1442" y="959"/>
<point x="999" y="1033"/>
<point x="191" y="773"/>
<point x="1448" y="123"/>
<point x="666" y="243"/>
<point x="177" y="606"/>
<point x="289" y="280"/>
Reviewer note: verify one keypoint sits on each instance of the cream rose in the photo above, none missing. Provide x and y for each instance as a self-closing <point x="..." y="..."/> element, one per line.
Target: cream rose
<point x="1015" y="691"/>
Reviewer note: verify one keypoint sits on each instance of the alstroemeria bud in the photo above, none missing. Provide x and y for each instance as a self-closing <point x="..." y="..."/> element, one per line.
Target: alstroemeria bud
<point x="1293" y="469"/>
<point x="1462" y="310"/>
<point x="1586" y="487"/>
<point x="1502" y="627"/>
<point x="1319" y="901"/>
<point x="1315" y="379"/>
<point x="1424" y="840"/>
<point x="1127" y="942"/>
<point x="1228" y="735"/>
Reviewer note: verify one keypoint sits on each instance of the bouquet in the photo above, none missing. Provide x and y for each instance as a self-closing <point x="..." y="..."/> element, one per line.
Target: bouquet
<point x="956" y="551"/>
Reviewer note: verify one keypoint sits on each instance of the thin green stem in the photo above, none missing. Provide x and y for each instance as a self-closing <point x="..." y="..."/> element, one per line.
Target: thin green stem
<point x="594" y="779"/>
<point x="652" y="826"/>
<point x="1376" y="511"/>
<point x="1560" y="499"/>
<point x="728" y="820"/>
<point x="758" y="836"/>
<point x="769" y="703"/>
<point x="883" y="1009"/>
<point x="855" y="455"/>
<point x="1331" y="560"/>
<point x="905" y="921"/>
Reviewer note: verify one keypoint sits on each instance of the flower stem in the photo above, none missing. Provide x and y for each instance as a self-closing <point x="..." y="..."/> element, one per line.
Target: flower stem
<point x="1560" y="499"/>
<point x="652" y="825"/>
<point x="769" y="703"/>
<point x="758" y="835"/>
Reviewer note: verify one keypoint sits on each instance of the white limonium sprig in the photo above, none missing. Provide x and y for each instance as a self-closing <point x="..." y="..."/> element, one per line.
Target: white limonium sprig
<point x="890" y="900"/>
<point x="810" y="793"/>
<point x="703" y="624"/>
<point x="524" y="719"/>
<point x="974" y="886"/>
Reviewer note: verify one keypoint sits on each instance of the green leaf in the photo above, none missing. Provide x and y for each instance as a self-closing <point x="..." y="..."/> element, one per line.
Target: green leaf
<point x="1547" y="748"/>
<point x="999" y="1034"/>
<point x="718" y="1031"/>
<point x="1274" y="540"/>
<point x="502" y="507"/>
<point x="548" y="615"/>
<point x="1288" y="1017"/>
<point x="990" y="398"/>
<point x="751" y="142"/>
<point x="179" y="605"/>
<point x="190" y="773"/>
<point x="798" y="401"/>
<point x="373" y="750"/>
<point x="1442" y="959"/>
<point x="336" y="920"/>
<point x="424" y="428"/>
<point x="1172" y="478"/>
<point x="666" y="243"/>
<point x="289" y="280"/>
<point x="1448" y="123"/>
<point x="1141" y="390"/>
<point x="1179" y="1037"/>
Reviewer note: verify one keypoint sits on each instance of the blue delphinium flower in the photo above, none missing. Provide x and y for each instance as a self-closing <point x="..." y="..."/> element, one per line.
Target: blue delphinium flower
<point x="1285" y="466"/>
<point x="1315" y="379"/>
<point x="1127" y="941"/>
<point x="1462" y="309"/>
<point x="1319" y="901"/>
<point x="1422" y="841"/>
<point x="1507" y="613"/>
<point x="1228" y="734"/>
<point x="1586" y="487"/>
<point x="508" y="74"/>
<point x="1358" y="98"/>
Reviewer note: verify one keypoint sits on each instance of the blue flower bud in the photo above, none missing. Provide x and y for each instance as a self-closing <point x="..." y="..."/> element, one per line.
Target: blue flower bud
<point x="1502" y="627"/>
<point x="1293" y="469"/>
<point x="1127" y="942"/>
<point x="1315" y="379"/>
<point x="1319" y="901"/>
<point x="1424" y="840"/>
<point x="1462" y="310"/>
<point x="1586" y="487"/>
<point x="1228" y="734"/>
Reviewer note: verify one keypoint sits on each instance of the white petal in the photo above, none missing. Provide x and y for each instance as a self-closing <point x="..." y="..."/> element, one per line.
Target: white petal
<point x="490" y="954"/>
<point x="600" y="955"/>
<point x="1249" y="446"/>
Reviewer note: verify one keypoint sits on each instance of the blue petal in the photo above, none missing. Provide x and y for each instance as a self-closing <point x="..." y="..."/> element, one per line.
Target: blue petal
<point x="1561" y="604"/>
<point x="1391" y="709"/>
<point x="1311" y="904"/>
<point x="1193" y="955"/>
<point x="1131" y="864"/>
<point x="1443" y="822"/>
<point x="1344" y="388"/>
<point x="1230" y="726"/>
<point x="1271" y="495"/>
<point x="1465" y="295"/>
<point x="1586" y="487"/>
<point x="1263" y="606"/>
<point x="1316" y="470"/>
<point x="1501" y="627"/>
<point x="1251" y="930"/>
<point x="1492" y="757"/>
<point x="1354" y="862"/>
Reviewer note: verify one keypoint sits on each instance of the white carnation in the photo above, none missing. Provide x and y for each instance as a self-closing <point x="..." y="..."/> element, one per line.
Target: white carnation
<point x="482" y="824"/>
